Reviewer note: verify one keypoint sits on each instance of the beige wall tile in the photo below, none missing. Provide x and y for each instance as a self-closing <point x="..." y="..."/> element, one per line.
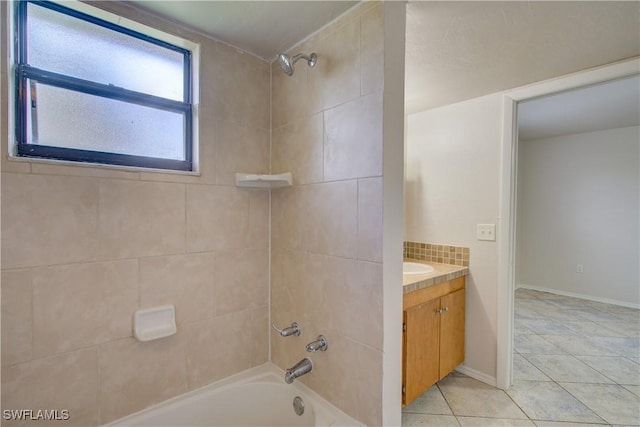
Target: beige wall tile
<point x="17" y="287"/>
<point x="369" y="385"/>
<point x="290" y="218"/>
<point x="236" y="85"/>
<point x="217" y="218"/>
<point x="259" y="218"/>
<point x="296" y="296"/>
<point x="225" y="345"/>
<point x="240" y="149"/>
<point x="336" y="76"/>
<point x="372" y="49"/>
<point x="292" y="96"/>
<point x="283" y="350"/>
<point x="48" y="219"/>
<point x="353" y="294"/>
<point x="297" y="292"/>
<point x="134" y="375"/>
<point x="81" y="170"/>
<point x="242" y="280"/>
<point x="141" y="218"/>
<point x="68" y="381"/>
<point x="79" y="305"/>
<point x="370" y="207"/>
<point x="11" y="166"/>
<point x="297" y="148"/>
<point x="353" y="139"/>
<point x="186" y="281"/>
<point x="332" y="223"/>
<point x="335" y="373"/>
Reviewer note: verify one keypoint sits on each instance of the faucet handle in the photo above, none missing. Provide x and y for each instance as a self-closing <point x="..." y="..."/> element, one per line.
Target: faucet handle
<point x="294" y="329"/>
<point x="320" y="344"/>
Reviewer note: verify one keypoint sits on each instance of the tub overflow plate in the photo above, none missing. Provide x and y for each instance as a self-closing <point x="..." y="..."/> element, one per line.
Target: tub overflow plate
<point x="298" y="405"/>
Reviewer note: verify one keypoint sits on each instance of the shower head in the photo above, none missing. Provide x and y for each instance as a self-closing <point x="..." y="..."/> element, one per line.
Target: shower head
<point x="286" y="62"/>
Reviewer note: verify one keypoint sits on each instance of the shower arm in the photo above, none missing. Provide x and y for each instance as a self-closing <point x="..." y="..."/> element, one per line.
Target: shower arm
<point x="311" y="59"/>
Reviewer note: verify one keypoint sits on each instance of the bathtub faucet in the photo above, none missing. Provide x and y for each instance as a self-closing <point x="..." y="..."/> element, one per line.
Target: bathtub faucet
<point x="294" y="329"/>
<point x="299" y="369"/>
<point x="319" y="344"/>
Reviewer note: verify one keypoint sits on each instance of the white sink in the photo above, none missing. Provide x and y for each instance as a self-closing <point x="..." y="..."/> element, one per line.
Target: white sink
<point x="410" y="268"/>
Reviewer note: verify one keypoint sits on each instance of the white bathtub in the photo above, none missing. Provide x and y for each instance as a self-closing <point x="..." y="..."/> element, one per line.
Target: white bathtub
<point x="257" y="397"/>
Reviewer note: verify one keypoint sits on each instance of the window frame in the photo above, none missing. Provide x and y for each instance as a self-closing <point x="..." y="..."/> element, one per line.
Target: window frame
<point x="25" y="72"/>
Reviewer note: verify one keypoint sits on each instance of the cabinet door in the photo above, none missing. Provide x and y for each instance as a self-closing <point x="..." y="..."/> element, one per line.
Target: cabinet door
<point x="421" y="340"/>
<point x="452" y="332"/>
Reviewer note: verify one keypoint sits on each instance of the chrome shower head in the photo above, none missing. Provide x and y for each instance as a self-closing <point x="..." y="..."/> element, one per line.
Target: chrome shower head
<point x="287" y="63"/>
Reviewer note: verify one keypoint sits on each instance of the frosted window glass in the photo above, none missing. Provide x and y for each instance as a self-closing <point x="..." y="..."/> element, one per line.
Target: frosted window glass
<point x="71" y="46"/>
<point x="71" y="119"/>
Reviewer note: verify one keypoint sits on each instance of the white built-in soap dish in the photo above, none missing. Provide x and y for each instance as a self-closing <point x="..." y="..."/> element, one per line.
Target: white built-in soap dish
<point x="264" y="181"/>
<point x="154" y="323"/>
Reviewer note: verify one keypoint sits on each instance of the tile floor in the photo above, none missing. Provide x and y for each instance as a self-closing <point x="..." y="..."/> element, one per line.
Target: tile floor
<point x="576" y="364"/>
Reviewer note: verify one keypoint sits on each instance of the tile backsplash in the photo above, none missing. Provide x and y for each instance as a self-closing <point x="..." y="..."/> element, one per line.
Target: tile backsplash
<point x="446" y="254"/>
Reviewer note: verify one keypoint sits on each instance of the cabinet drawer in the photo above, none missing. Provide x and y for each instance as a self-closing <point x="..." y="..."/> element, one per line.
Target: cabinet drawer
<point x="432" y="292"/>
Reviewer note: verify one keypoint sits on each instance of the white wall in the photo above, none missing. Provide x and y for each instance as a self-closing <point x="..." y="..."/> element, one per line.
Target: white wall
<point x="452" y="184"/>
<point x="578" y="198"/>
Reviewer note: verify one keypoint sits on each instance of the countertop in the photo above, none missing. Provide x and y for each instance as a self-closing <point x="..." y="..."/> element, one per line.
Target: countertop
<point x="442" y="273"/>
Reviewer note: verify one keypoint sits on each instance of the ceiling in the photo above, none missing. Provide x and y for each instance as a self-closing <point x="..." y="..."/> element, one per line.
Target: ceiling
<point x="610" y="105"/>
<point x="461" y="50"/>
<point x="263" y="28"/>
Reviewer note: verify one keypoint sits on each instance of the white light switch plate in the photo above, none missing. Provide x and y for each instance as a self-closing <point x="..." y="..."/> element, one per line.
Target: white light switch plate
<point x="486" y="232"/>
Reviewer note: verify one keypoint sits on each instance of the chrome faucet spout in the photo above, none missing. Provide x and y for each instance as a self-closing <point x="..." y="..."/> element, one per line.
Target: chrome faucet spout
<point x="299" y="369"/>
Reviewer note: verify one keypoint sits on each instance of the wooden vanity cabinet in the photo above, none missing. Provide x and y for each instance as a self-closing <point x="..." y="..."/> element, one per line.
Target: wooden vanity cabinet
<point x="433" y="336"/>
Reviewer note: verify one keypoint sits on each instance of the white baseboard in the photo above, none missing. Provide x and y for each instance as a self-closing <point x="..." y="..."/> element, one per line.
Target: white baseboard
<point x="576" y="295"/>
<point x="480" y="376"/>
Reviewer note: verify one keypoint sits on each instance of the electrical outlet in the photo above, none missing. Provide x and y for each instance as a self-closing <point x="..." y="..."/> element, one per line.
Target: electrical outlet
<point x="486" y="232"/>
<point x="579" y="268"/>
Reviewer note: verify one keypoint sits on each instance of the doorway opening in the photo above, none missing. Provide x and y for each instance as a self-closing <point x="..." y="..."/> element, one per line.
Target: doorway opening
<point x="515" y="102"/>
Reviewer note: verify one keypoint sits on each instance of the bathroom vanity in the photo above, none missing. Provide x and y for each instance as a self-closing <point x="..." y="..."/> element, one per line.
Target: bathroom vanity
<point x="433" y="328"/>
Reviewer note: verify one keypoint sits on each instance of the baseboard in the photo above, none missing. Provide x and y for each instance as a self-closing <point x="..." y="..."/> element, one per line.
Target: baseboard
<point x="576" y="295"/>
<point x="480" y="376"/>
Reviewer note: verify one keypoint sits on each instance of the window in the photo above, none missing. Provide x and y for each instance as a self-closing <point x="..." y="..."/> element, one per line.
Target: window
<point x="89" y="90"/>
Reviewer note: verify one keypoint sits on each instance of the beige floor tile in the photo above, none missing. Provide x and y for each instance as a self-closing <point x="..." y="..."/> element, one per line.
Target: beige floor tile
<point x="566" y="368"/>
<point x="612" y="402"/>
<point x="525" y="344"/>
<point x="565" y="424"/>
<point x="635" y="389"/>
<point x="494" y="422"/>
<point x="523" y="370"/>
<point x="545" y="326"/>
<point x="627" y="329"/>
<point x="619" y="369"/>
<point x="580" y="346"/>
<point x="626" y="346"/>
<point x="430" y="402"/>
<point x="409" y="420"/>
<point x="548" y="401"/>
<point x="470" y="397"/>
<point x="591" y="329"/>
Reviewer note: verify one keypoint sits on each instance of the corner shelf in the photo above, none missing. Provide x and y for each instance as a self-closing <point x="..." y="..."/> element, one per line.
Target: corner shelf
<point x="264" y="181"/>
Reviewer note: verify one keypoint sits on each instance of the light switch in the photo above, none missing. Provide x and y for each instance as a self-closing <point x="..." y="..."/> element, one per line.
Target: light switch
<point x="486" y="232"/>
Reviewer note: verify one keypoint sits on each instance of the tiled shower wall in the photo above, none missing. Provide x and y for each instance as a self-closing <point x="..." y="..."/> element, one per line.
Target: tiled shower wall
<point x="84" y="247"/>
<point x="327" y="228"/>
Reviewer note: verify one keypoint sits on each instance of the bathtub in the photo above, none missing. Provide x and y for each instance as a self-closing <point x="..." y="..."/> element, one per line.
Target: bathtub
<point x="256" y="397"/>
